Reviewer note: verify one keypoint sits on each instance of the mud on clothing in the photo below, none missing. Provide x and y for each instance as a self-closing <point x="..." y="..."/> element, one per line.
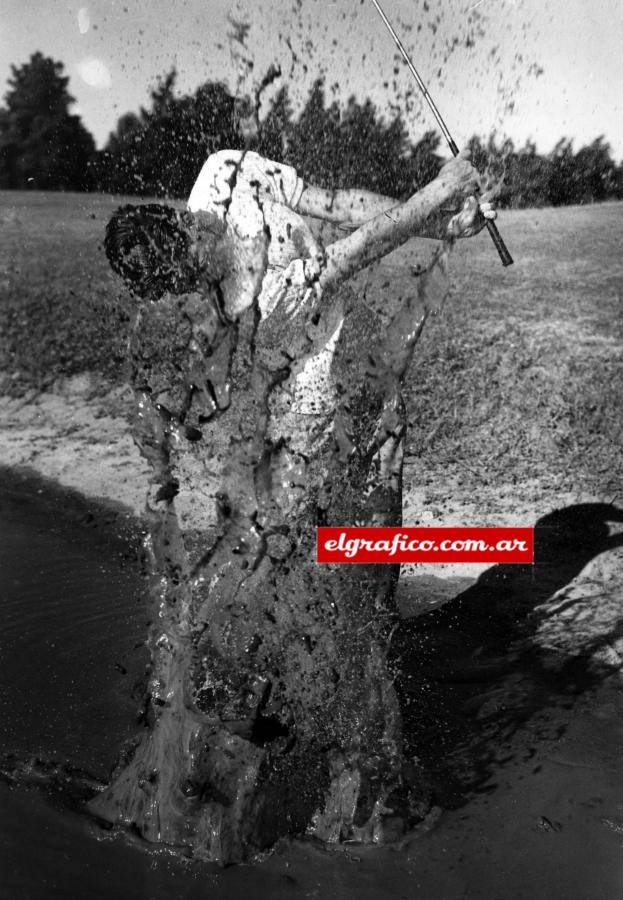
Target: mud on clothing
<point x="256" y="197"/>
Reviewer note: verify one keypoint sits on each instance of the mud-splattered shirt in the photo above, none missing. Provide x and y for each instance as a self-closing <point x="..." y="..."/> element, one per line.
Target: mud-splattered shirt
<point x="257" y="197"/>
<point x="228" y="177"/>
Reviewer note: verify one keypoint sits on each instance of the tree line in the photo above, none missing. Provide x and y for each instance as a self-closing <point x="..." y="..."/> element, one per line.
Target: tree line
<point x="160" y="150"/>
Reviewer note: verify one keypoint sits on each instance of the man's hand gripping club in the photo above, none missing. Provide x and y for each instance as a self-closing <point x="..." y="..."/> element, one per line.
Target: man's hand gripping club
<point x="478" y="205"/>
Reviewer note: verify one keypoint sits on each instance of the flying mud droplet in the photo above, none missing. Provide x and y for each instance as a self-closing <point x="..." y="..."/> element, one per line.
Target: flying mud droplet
<point x="84" y="19"/>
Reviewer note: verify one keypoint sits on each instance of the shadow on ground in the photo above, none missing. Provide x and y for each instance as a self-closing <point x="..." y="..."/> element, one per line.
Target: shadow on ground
<point x="521" y="642"/>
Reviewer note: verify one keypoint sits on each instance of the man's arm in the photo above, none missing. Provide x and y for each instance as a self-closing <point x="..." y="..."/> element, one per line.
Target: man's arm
<point x="394" y="226"/>
<point x="350" y="208"/>
<point x="353" y="208"/>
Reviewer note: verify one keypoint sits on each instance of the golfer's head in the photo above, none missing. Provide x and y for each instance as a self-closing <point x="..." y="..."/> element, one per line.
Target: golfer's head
<point x="150" y="247"/>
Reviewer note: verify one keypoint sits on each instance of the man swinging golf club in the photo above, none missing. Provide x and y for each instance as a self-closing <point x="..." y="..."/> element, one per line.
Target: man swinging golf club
<point x="246" y="202"/>
<point x="252" y="643"/>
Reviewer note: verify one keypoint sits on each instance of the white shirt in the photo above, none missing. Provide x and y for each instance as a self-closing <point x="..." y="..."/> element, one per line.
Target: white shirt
<point x="229" y="173"/>
<point x="255" y="196"/>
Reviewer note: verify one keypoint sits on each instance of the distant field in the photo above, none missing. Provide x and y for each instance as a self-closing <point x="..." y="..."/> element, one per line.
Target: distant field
<point x="61" y="311"/>
<point x="520" y="379"/>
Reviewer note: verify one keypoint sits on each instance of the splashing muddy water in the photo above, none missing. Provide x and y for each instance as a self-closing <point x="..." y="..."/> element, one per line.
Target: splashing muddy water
<point x="272" y="710"/>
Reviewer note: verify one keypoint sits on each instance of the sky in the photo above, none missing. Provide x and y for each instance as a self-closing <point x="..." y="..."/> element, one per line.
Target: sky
<point x="527" y="69"/>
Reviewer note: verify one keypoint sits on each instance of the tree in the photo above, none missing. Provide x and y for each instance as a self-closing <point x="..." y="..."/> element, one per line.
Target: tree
<point x="478" y="153"/>
<point x="563" y="180"/>
<point x="596" y="172"/>
<point x="160" y="151"/>
<point x="355" y="147"/>
<point x="314" y="137"/>
<point x="526" y="178"/>
<point x="276" y="128"/>
<point x="424" y="160"/>
<point x="42" y="145"/>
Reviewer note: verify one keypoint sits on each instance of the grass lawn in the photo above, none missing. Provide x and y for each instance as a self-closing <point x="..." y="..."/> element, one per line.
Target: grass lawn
<point x="61" y="311"/>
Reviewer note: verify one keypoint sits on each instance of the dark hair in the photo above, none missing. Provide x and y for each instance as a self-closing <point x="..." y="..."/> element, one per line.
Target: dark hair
<point x="149" y="246"/>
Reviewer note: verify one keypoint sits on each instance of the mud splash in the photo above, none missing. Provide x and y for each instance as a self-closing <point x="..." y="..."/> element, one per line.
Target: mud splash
<point x="272" y="710"/>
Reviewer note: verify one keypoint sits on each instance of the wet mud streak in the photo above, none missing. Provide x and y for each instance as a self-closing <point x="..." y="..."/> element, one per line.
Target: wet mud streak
<point x="271" y="707"/>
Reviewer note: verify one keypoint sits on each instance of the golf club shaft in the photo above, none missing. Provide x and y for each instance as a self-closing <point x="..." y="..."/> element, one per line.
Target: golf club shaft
<point x="505" y="256"/>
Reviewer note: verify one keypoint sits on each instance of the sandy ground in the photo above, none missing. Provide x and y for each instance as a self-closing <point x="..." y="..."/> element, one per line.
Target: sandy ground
<point x="75" y="438"/>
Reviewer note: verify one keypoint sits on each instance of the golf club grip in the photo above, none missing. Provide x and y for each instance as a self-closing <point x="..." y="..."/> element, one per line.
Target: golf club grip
<point x="507" y="259"/>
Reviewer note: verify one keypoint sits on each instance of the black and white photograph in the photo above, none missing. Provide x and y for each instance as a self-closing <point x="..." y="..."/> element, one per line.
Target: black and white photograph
<point x="311" y="463"/>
